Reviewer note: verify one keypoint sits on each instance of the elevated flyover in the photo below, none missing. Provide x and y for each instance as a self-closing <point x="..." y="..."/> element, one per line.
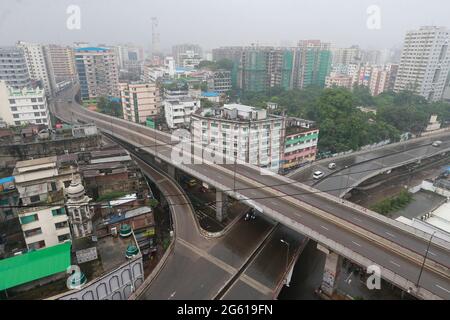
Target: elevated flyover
<point x="356" y="233"/>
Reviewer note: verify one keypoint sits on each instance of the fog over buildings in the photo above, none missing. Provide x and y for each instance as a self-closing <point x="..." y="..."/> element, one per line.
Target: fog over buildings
<point x="216" y="23"/>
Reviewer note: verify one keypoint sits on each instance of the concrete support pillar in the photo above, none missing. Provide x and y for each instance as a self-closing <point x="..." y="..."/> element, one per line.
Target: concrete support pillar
<point x="331" y="273"/>
<point x="171" y="170"/>
<point x="221" y="205"/>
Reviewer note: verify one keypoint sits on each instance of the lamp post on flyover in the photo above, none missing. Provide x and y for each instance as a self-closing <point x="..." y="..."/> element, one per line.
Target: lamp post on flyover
<point x="287" y="253"/>
<point x="425" y="259"/>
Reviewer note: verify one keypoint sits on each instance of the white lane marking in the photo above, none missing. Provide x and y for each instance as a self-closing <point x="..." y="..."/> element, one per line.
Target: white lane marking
<point x="442" y="288"/>
<point x="356" y="243"/>
<point x="357" y="219"/>
<point x="172" y="295"/>
<point x="394" y="263"/>
<point x="432" y="253"/>
<point x="324" y="228"/>
<point x="390" y="234"/>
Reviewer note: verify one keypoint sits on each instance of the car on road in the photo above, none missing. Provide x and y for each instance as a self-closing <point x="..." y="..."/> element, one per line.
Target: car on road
<point x="332" y="166"/>
<point x="318" y="174"/>
<point x="192" y="183"/>
<point x="437" y="143"/>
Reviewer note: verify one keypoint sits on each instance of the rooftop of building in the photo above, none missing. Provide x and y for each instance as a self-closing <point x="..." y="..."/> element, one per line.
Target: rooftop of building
<point x="110" y="250"/>
<point x="38" y="134"/>
<point x="51" y="161"/>
<point x="34" y="265"/>
<point x="119" y="217"/>
<point x="210" y="94"/>
<point x="91" y="49"/>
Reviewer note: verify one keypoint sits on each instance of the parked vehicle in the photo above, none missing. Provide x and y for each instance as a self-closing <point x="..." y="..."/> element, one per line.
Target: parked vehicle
<point x="332" y="166"/>
<point x="437" y="143"/>
<point x="318" y="174"/>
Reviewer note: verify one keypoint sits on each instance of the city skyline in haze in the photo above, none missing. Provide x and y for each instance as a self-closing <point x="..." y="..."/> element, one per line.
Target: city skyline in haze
<point x="219" y="23"/>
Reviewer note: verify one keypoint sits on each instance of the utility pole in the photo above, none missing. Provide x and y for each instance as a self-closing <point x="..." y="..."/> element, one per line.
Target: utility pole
<point x="425" y="259"/>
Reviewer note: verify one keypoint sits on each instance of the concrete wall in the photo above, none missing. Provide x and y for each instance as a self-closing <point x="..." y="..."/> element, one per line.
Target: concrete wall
<point x="115" y="285"/>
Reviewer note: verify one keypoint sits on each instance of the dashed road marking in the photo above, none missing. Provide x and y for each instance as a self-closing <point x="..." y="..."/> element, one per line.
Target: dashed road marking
<point x="442" y="288"/>
<point x="324" y="228"/>
<point x="390" y="234"/>
<point x="394" y="263"/>
<point x="356" y="243"/>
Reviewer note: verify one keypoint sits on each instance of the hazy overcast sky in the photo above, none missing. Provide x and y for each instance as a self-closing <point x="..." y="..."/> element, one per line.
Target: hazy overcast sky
<point x="212" y="23"/>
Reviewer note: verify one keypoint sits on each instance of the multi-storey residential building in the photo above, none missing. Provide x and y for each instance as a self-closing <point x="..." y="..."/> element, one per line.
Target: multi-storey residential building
<point x="186" y="54"/>
<point x="129" y="52"/>
<point x="240" y="132"/>
<point x="178" y="111"/>
<point x="38" y="65"/>
<point x="392" y="70"/>
<point x="262" y="68"/>
<point x="425" y="62"/>
<point x="346" y="56"/>
<point x="140" y="101"/>
<point x="300" y="142"/>
<point x="40" y="183"/>
<point x="62" y="62"/>
<point x="339" y="80"/>
<point x="189" y="59"/>
<point x="312" y="63"/>
<point x="379" y="79"/>
<point x="153" y="73"/>
<point x="97" y="72"/>
<point x="22" y="106"/>
<point x="13" y="67"/>
<point x="220" y="81"/>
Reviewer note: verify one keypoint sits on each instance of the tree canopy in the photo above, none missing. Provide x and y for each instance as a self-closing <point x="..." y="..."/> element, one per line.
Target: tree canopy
<point x="342" y="125"/>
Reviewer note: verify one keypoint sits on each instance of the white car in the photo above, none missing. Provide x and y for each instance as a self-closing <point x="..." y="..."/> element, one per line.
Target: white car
<point x="437" y="143"/>
<point x="318" y="174"/>
<point x="332" y="166"/>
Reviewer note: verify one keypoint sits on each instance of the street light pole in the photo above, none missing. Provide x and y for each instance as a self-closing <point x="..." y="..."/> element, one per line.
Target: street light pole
<point x="425" y="259"/>
<point x="287" y="253"/>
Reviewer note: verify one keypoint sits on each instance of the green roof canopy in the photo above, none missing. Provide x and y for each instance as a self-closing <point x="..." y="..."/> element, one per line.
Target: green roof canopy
<point x="34" y="265"/>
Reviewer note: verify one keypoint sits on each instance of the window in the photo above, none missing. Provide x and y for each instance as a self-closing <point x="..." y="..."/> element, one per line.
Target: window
<point x="64" y="237"/>
<point x="33" y="100"/>
<point x="13" y="108"/>
<point x="12" y="101"/>
<point x="29" y="219"/>
<point x="61" y="225"/>
<point x="32" y="232"/>
<point x="35" y="199"/>
<point x="15" y="116"/>
<point x="36" y="245"/>
<point x="58" y="212"/>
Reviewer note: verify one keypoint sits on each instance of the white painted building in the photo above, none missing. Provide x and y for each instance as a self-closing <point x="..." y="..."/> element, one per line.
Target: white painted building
<point x="22" y="106"/>
<point x="242" y="132"/>
<point x="40" y="183"/>
<point x="425" y="62"/>
<point x="178" y="111"/>
<point x="38" y="64"/>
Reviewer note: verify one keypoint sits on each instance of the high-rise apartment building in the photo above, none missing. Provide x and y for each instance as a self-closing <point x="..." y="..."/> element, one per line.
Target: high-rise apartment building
<point x="186" y="51"/>
<point x="262" y="68"/>
<point x="312" y="63"/>
<point x="13" y="67"/>
<point x="97" y="72"/>
<point x="424" y="64"/>
<point x="38" y="65"/>
<point x="140" y="101"/>
<point x="62" y="62"/>
<point x="346" y="56"/>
